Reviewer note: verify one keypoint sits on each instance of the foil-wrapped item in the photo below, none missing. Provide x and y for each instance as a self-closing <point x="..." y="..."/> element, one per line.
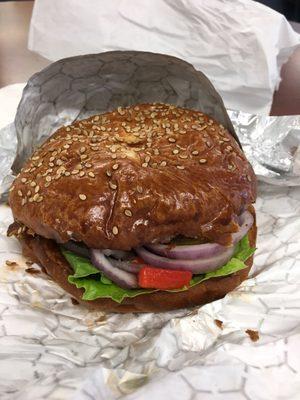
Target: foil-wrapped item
<point x="51" y="348"/>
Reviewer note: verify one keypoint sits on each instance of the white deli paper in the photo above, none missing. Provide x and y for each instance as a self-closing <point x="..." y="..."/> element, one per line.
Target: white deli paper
<point x="239" y="44"/>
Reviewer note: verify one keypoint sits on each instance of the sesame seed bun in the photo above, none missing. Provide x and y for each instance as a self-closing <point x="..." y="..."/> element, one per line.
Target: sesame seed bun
<point x="46" y="253"/>
<point x="133" y="176"/>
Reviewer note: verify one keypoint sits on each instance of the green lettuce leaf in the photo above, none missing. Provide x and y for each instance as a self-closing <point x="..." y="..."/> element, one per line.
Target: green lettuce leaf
<point x="96" y="285"/>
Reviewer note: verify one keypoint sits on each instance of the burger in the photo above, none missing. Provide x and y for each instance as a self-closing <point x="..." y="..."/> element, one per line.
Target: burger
<point x="146" y="208"/>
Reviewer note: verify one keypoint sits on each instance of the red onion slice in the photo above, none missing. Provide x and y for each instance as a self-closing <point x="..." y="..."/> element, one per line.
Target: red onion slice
<point x="246" y="220"/>
<point x="198" y="266"/>
<point x="124" y="279"/>
<point x="187" y="252"/>
<point x="206" y="250"/>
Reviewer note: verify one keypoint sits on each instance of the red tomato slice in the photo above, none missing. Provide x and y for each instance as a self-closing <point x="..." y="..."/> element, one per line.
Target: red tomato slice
<point x="164" y="279"/>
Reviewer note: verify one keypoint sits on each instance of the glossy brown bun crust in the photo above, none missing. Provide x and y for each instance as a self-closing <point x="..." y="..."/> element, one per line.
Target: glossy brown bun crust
<point x="46" y="253"/>
<point x="135" y="175"/>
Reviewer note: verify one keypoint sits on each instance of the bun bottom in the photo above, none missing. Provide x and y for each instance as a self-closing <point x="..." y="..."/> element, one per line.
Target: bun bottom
<point x="46" y="253"/>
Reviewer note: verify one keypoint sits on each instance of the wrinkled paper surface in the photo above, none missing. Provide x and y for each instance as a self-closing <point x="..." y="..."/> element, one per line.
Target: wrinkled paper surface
<point x="239" y="44"/>
<point x="52" y="349"/>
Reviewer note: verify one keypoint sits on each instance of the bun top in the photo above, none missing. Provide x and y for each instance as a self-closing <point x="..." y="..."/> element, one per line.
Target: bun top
<point x="136" y="175"/>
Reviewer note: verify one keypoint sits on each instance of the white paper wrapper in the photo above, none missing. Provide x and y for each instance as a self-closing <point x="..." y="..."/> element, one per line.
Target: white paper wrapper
<point x="240" y="45"/>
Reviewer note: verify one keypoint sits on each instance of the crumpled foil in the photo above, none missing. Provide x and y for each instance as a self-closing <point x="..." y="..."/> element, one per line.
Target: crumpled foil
<point x="53" y="349"/>
<point x="272" y="145"/>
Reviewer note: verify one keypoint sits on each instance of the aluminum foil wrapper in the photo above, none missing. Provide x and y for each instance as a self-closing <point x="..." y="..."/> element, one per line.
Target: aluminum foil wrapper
<point x="272" y="145"/>
<point x="245" y="346"/>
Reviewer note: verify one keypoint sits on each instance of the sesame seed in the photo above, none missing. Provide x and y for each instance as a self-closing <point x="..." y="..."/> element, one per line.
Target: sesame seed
<point x="82" y="196"/>
<point x="81" y="173"/>
<point x="11" y="189"/>
<point x="23" y="180"/>
<point x="83" y="156"/>
<point x="68" y="129"/>
<point x="35" y="158"/>
<point x="59" y="162"/>
<point x="96" y="118"/>
<point x="226" y="139"/>
<point x="115" y="230"/>
<point x="231" y="167"/>
<point x="202" y="128"/>
<point x="23" y="202"/>
<point x="67" y="173"/>
<point x="120" y="111"/>
<point x="175" y="151"/>
<point x="195" y="152"/>
<point x="36" y="189"/>
<point x="91" y="174"/>
<point x="88" y="165"/>
<point x="113" y="156"/>
<point x="75" y="171"/>
<point x="249" y="178"/>
<point x="128" y="213"/>
<point x="145" y="165"/>
<point x="115" y="166"/>
<point x="183" y="156"/>
<point x="47" y="184"/>
<point x="147" y="159"/>
<point x="39" y="199"/>
<point x="82" y="149"/>
<point x="20" y="193"/>
<point x="28" y="193"/>
<point x="66" y="146"/>
<point x="32" y="184"/>
<point x="171" y="140"/>
<point x="180" y="166"/>
<point x="36" y="196"/>
<point x="112" y="185"/>
<point x="163" y="163"/>
<point x="51" y="164"/>
<point x="202" y="160"/>
<point x="108" y="173"/>
<point x="139" y="189"/>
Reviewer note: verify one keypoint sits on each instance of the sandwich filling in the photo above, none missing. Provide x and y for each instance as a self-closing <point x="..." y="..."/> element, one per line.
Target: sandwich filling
<point x="174" y="266"/>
